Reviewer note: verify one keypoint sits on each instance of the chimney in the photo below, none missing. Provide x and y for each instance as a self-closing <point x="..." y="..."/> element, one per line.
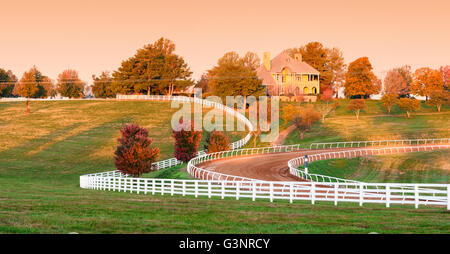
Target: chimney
<point x="298" y="57"/>
<point x="267" y="60"/>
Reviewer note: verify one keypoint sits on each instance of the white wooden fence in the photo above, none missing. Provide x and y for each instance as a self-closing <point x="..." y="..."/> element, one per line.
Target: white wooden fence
<point x="383" y="193"/>
<point x="221" y="185"/>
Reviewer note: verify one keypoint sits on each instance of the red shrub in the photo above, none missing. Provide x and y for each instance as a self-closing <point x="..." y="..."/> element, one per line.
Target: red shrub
<point x="216" y="141"/>
<point x="134" y="156"/>
<point x="187" y="141"/>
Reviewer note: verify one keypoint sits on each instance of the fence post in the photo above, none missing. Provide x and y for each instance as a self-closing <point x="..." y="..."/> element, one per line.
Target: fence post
<point x="209" y="189"/>
<point x="416" y="196"/>
<point x="448" y="197"/>
<point x="138" y="185"/>
<point x="171" y="189"/>
<point x="313" y="192"/>
<point x="184" y="188"/>
<point x="223" y="189"/>
<point x="162" y="187"/>
<point x="145" y="185"/>
<point x="237" y="190"/>
<point x="361" y="194"/>
<point x="336" y="193"/>
<point x="388" y="195"/>
<point x="254" y="191"/>
<point x="196" y="188"/>
<point x="153" y="186"/>
<point x="271" y="192"/>
<point x="290" y="192"/>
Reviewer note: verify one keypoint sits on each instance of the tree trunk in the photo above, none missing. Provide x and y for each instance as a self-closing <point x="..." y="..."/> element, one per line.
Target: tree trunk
<point x="407" y="113"/>
<point x="302" y="134"/>
<point x="389" y="110"/>
<point x="148" y="91"/>
<point x="28" y="106"/>
<point x="357" y="114"/>
<point x="439" y="108"/>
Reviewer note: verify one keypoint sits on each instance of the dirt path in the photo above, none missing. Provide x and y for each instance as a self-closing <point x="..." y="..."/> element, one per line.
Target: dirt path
<point x="269" y="167"/>
<point x="282" y="136"/>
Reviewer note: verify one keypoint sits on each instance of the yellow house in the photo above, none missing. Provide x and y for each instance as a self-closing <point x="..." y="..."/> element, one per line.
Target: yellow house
<point x="284" y="75"/>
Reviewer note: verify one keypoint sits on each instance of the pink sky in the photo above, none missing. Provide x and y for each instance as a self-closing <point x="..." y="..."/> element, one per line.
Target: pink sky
<point x="92" y="36"/>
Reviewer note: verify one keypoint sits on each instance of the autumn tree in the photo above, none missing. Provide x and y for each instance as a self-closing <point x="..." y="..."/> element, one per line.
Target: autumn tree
<point x="395" y="83"/>
<point x="134" y="154"/>
<point x="328" y="61"/>
<point x="217" y="141"/>
<point x="187" y="140"/>
<point x="235" y="76"/>
<point x="154" y="69"/>
<point x="203" y="83"/>
<point x="439" y="98"/>
<point x="360" y="81"/>
<point x="302" y="117"/>
<point x="388" y="101"/>
<point x="326" y="106"/>
<point x="337" y="68"/>
<point x="408" y="105"/>
<point x="425" y="81"/>
<point x="31" y="85"/>
<point x="445" y="72"/>
<point x="356" y="105"/>
<point x="7" y="82"/>
<point x="69" y="85"/>
<point x="102" y="86"/>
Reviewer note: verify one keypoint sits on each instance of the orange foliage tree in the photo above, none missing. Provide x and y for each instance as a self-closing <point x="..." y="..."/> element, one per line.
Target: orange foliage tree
<point x="360" y="81"/>
<point x="426" y="80"/>
<point x="439" y="98"/>
<point x="217" y="141"/>
<point x="408" y="105"/>
<point x="388" y="101"/>
<point x="302" y="117"/>
<point x="356" y="105"/>
<point x="32" y="85"/>
<point x="69" y="84"/>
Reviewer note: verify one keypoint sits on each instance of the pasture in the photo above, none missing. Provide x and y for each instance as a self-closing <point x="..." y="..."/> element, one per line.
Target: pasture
<point x="43" y="154"/>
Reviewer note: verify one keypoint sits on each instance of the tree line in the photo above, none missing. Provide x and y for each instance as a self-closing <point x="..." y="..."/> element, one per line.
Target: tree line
<point x="157" y="69"/>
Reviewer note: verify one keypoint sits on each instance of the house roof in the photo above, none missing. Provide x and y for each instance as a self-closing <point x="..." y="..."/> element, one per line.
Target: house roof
<point x="265" y="75"/>
<point x="283" y="60"/>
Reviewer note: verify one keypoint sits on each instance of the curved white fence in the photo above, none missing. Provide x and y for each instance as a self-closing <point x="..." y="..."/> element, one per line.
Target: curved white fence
<point x="294" y="164"/>
<point x="223" y="185"/>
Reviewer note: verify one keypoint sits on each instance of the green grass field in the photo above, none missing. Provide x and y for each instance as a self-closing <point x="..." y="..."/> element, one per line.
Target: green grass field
<point x="419" y="167"/>
<point x="43" y="154"/>
<point x="374" y="124"/>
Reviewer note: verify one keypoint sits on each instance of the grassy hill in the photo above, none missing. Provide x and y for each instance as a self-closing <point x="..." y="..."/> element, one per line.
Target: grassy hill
<point x="374" y="124"/>
<point x="43" y="154"/>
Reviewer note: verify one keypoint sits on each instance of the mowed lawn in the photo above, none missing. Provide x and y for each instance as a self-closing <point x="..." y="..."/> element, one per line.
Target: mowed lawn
<point x="43" y="154"/>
